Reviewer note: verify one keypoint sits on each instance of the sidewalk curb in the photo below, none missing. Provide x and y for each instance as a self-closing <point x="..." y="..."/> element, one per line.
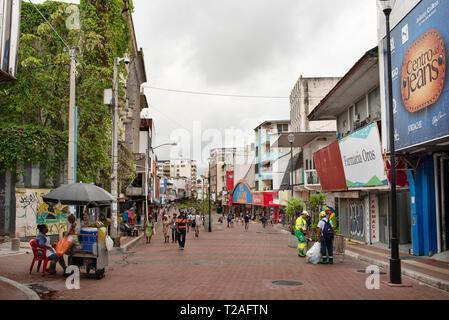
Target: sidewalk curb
<point x="130" y="244"/>
<point x="27" y="291"/>
<point x="429" y="280"/>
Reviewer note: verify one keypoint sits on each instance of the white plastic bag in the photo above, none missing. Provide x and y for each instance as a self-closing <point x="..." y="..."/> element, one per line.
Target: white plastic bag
<point x="109" y="243"/>
<point x="314" y="253"/>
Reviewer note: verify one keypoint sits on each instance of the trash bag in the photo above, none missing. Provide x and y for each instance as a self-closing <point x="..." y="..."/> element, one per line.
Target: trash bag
<point x="314" y="253"/>
<point x="63" y="246"/>
<point x="109" y="243"/>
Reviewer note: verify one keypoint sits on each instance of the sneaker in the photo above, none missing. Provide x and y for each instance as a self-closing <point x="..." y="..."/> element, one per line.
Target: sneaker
<point x="301" y="254"/>
<point x="331" y="261"/>
<point x="323" y="262"/>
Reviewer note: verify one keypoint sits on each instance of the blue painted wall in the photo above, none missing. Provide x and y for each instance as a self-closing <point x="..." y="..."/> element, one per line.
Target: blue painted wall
<point x="424" y="235"/>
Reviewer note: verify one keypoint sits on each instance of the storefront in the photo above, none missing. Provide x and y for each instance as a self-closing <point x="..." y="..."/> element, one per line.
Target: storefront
<point x="420" y="36"/>
<point x="352" y="170"/>
<point x="242" y="198"/>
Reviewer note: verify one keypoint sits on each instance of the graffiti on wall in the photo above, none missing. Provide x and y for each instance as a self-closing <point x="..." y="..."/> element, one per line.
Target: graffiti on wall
<point x="31" y="211"/>
<point x="356" y="216"/>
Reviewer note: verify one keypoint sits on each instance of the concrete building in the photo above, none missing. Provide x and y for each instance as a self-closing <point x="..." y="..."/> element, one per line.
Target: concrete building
<point x="305" y="95"/>
<point x="221" y="161"/>
<point x="266" y="164"/>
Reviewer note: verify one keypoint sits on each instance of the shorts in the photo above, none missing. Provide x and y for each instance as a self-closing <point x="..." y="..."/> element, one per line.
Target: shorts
<point x="53" y="257"/>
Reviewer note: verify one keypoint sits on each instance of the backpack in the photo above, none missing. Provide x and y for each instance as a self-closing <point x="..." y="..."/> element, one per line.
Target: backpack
<point x="328" y="232"/>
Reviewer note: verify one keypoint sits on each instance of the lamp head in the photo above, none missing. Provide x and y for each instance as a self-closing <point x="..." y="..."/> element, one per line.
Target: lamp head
<point x="386" y="5"/>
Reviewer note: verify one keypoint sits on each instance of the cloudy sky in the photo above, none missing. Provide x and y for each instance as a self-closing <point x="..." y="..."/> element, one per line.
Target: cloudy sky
<point x="239" y="48"/>
<point x="235" y="47"/>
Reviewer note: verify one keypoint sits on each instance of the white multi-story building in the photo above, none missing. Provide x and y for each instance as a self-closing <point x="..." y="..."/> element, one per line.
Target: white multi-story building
<point x="178" y="168"/>
<point x="267" y="155"/>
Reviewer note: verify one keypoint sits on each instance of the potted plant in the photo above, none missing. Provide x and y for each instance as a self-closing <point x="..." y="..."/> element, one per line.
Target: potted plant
<point x="316" y="201"/>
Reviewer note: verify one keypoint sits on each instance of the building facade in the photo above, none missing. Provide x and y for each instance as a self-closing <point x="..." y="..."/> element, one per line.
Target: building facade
<point x="421" y="126"/>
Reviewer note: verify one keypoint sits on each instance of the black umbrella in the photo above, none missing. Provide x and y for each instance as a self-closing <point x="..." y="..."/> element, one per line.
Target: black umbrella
<point x="79" y="194"/>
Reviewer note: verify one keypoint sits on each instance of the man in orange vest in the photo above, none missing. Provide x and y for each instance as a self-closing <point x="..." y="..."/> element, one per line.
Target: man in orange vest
<point x="181" y="226"/>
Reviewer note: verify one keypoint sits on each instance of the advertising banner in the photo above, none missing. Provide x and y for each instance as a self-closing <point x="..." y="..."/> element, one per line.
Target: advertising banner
<point x="229" y="180"/>
<point x="258" y="198"/>
<point x="418" y="62"/>
<point x="361" y="155"/>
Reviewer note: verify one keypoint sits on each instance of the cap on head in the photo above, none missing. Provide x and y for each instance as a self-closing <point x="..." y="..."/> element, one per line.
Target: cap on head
<point x="305" y="213"/>
<point x="322" y="213"/>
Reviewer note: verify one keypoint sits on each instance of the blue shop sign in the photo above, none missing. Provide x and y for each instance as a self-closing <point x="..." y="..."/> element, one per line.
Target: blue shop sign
<point x="242" y="194"/>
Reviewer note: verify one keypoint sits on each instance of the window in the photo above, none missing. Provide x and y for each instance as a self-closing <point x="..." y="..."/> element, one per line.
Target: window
<point x="361" y="110"/>
<point x="138" y="181"/>
<point x="374" y="104"/>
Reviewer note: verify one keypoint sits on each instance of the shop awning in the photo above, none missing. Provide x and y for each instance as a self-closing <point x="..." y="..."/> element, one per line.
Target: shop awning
<point x="301" y="138"/>
<point x="364" y="74"/>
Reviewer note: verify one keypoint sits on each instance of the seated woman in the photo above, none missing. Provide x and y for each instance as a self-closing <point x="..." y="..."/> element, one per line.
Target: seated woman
<point x="44" y="242"/>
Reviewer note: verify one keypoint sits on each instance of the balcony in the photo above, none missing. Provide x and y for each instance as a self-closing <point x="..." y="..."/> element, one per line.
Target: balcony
<point x="311" y="180"/>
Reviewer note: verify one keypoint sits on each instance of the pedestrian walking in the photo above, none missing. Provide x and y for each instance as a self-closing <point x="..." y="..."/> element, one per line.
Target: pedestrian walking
<point x="264" y="220"/>
<point x="181" y="226"/>
<point x="229" y="219"/>
<point x="174" y="233"/>
<point x="198" y="223"/>
<point x="301" y="232"/>
<point x="326" y="235"/>
<point x="149" y="226"/>
<point x="246" y="218"/>
<point x="166" y="228"/>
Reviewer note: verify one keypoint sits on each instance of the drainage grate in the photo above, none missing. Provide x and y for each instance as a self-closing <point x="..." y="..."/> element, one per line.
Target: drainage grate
<point x="287" y="283"/>
<point x="44" y="292"/>
<point x="372" y="272"/>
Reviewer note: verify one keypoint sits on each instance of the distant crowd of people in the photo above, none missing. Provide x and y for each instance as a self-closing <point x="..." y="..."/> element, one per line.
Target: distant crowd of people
<point x="176" y="222"/>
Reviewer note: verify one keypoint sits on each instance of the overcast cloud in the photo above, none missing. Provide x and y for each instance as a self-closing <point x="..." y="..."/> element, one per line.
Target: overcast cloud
<point x="250" y="47"/>
<point x="241" y="47"/>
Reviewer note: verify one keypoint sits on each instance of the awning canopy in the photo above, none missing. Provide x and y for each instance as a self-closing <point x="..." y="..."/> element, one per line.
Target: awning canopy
<point x="364" y="74"/>
<point x="301" y="138"/>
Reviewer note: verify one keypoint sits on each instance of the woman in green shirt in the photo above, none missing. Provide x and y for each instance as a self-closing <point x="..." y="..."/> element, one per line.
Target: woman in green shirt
<point x="149" y="225"/>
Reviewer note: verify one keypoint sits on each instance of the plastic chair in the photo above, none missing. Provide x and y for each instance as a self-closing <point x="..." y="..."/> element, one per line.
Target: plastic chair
<point x="38" y="257"/>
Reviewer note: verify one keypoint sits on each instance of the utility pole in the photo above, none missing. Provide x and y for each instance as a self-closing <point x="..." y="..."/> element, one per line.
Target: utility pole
<point x="114" y="231"/>
<point x="71" y="147"/>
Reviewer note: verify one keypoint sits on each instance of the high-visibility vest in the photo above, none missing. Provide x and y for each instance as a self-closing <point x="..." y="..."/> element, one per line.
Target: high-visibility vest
<point x="301" y="224"/>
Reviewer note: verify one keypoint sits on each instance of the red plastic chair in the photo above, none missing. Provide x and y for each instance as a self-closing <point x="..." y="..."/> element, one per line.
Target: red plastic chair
<point x="38" y="257"/>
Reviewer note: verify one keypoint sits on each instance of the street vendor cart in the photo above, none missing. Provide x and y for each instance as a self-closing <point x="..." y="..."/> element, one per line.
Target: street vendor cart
<point x="89" y="250"/>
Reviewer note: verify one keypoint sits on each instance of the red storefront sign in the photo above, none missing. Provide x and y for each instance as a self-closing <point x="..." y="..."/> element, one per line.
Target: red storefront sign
<point x="268" y="198"/>
<point x="330" y="168"/>
<point x="258" y="199"/>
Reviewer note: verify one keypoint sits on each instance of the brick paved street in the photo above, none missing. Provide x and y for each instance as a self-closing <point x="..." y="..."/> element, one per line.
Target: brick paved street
<point x="228" y="264"/>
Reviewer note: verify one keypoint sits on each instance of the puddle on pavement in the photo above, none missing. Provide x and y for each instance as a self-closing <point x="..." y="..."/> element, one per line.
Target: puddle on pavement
<point x="43" y="292"/>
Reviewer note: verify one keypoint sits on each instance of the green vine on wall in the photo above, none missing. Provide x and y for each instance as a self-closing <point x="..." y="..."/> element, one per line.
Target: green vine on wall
<point x="34" y="109"/>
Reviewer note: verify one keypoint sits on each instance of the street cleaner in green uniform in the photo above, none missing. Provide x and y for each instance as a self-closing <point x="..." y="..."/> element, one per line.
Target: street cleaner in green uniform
<point x="301" y="232"/>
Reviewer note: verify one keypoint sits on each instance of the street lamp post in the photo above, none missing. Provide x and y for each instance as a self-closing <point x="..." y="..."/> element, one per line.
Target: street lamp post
<point x="210" y="226"/>
<point x="114" y="176"/>
<point x="291" y="139"/>
<point x="395" y="262"/>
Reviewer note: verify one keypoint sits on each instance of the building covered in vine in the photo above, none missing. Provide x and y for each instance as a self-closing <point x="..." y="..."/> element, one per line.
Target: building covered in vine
<point x="34" y="108"/>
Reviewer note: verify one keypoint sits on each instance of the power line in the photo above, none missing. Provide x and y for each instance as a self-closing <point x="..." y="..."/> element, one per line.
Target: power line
<point x="215" y="94"/>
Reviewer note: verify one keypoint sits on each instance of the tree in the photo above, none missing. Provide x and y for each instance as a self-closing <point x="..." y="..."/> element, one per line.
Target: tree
<point x="34" y="109"/>
<point x="316" y="201"/>
<point x="294" y="206"/>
